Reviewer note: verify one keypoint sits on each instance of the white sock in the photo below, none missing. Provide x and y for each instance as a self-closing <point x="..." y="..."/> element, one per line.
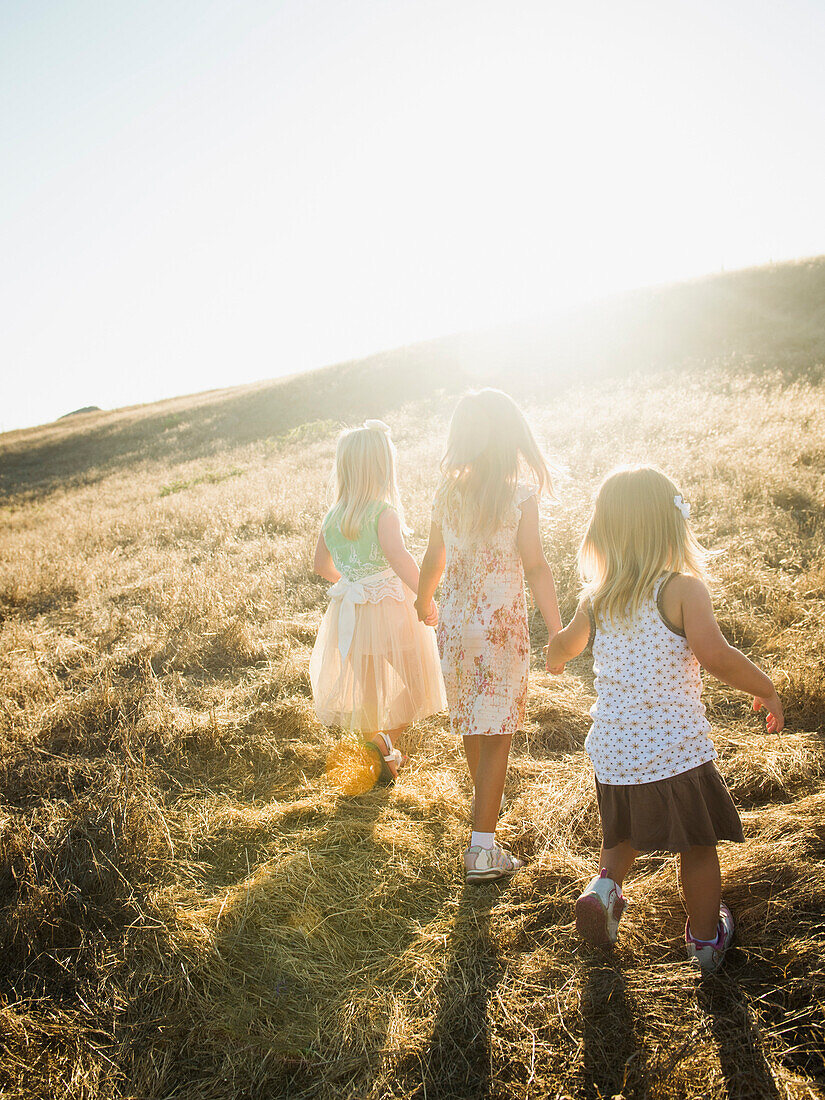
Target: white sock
<point x="483" y="840"/>
<point x="705" y="943"/>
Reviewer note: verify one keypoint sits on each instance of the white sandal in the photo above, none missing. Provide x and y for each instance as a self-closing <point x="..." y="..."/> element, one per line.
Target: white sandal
<point x="394" y="756"/>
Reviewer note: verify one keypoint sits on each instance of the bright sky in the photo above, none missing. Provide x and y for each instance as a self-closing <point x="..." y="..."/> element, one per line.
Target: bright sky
<point x="199" y="193"/>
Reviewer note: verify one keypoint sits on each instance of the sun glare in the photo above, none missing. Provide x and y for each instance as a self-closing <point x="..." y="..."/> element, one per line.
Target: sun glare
<point x="352" y="768"/>
<point x="201" y="198"/>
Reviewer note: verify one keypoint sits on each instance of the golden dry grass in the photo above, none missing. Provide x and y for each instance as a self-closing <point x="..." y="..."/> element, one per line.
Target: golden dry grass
<point x="187" y="908"/>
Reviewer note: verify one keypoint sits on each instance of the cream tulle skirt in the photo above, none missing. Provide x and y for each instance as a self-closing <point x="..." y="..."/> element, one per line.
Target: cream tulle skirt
<point x="390" y="676"/>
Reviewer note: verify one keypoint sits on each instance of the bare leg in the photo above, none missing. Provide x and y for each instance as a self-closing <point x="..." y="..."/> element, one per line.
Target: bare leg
<point x="490" y="772"/>
<point x="471" y="751"/>
<point x="369" y="697"/>
<point x="702" y="889"/>
<point x="617" y="861"/>
<point x="371" y="677"/>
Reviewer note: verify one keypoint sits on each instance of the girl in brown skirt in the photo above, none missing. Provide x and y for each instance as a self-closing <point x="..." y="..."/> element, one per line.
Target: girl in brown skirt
<point x="647" y="613"/>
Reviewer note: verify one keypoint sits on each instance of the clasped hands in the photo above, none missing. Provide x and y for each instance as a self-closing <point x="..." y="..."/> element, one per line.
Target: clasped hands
<point x="427" y="614"/>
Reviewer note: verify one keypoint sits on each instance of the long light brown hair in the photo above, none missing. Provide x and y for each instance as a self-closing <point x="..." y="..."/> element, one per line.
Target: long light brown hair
<point x="364" y="473"/>
<point x="489" y="444"/>
<point x="636" y="533"/>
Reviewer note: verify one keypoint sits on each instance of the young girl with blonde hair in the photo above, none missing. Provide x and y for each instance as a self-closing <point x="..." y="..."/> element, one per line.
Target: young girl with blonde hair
<point x="484" y="539"/>
<point x="374" y="667"/>
<point x="647" y="612"/>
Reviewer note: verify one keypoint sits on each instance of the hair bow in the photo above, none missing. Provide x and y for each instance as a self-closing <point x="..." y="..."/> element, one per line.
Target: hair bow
<point x="682" y="505"/>
<point x="377" y="426"/>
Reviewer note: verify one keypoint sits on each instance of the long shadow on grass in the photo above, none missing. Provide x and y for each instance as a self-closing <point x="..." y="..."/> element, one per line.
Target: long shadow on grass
<point x="744" y="1066"/>
<point x="457" y="1060"/>
<point x="614" y="1061"/>
<point x="274" y="1006"/>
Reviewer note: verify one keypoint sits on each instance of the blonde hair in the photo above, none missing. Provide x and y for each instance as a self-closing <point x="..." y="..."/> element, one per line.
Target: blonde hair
<point x="488" y="445"/>
<point x="636" y="532"/>
<point x="364" y="473"/>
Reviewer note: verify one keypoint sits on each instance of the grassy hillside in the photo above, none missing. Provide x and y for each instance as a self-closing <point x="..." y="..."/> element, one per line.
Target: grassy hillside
<point x="770" y="318"/>
<point x="189" y="909"/>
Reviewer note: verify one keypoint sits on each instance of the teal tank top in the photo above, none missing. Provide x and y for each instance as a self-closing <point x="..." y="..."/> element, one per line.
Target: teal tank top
<point x="357" y="558"/>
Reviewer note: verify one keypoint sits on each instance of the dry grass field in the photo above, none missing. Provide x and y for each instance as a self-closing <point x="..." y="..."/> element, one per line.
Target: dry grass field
<point x="189" y="910"/>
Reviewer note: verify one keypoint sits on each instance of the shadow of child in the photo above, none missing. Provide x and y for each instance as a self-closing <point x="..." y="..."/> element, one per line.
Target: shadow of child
<point x="736" y="1033"/>
<point x="457" y="1059"/>
<point x="613" y="1056"/>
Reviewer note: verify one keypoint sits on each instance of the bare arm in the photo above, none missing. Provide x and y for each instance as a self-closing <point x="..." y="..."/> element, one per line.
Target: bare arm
<point x="323" y="564"/>
<point x="714" y="654"/>
<point x="391" y="541"/>
<point x="537" y="572"/>
<point x="569" y="642"/>
<point x="432" y="568"/>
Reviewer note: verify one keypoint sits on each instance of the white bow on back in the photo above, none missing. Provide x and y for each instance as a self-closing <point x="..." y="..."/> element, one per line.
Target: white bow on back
<point x="349" y="593"/>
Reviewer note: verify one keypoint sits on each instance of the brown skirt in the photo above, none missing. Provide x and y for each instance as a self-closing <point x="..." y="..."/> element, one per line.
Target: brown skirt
<point x="670" y="815"/>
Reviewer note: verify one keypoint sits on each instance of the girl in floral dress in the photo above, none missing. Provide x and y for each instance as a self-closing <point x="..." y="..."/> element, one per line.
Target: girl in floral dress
<point x="374" y="667"/>
<point x="484" y="539"/>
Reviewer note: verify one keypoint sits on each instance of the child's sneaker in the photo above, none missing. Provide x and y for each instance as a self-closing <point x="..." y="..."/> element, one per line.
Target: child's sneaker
<point x="599" y="909"/>
<point x="484" y="864"/>
<point x="706" y="956"/>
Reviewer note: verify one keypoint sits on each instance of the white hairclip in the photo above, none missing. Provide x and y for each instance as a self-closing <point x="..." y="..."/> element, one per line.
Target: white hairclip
<point x="682" y="505"/>
<point x="377" y="426"/>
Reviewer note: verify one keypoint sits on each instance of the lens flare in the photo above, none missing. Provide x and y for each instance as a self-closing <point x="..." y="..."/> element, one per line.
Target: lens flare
<point x="352" y="768"/>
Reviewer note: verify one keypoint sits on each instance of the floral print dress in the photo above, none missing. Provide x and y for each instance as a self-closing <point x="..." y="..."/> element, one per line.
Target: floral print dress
<point x="483" y="636"/>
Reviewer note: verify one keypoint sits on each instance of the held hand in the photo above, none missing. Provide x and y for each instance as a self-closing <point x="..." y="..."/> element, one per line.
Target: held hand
<point x="554" y="670"/>
<point x="423" y="610"/>
<point x="432" y="616"/>
<point x="775" y="721"/>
